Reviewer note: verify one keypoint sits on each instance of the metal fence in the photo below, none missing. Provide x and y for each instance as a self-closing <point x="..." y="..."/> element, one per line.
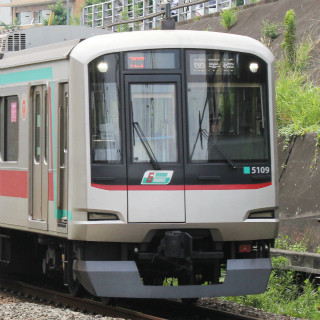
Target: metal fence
<point x="129" y="15"/>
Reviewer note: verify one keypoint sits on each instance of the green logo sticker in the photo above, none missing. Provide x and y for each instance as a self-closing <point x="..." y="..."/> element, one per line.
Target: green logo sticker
<point x="157" y="177"/>
<point x="246" y="170"/>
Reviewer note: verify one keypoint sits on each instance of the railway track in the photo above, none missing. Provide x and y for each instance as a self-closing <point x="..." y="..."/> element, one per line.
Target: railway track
<point x="57" y="298"/>
<point x="133" y="309"/>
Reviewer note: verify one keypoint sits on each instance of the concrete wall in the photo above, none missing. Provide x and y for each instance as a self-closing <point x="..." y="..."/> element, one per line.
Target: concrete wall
<point x="300" y="190"/>
<point x="5" y="13"/>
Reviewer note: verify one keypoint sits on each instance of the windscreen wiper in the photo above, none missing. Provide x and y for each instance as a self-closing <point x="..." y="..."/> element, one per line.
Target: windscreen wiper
<point x="201" y="132"/>
<point x="232" y="164"/>
<point x="204" y="133"/>
<point x="146" y="145"/>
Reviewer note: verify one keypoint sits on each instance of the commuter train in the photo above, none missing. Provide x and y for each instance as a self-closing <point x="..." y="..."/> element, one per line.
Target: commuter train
<point x="132" y="160"/>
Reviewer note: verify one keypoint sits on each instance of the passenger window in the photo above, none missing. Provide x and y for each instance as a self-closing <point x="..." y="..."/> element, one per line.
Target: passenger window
<point x="9" y="128"/>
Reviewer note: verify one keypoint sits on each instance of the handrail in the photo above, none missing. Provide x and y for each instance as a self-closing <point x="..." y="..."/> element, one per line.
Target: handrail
<point x="155" y="14"/>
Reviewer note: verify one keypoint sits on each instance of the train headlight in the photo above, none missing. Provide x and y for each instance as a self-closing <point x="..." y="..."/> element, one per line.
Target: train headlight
<point x="268" y="214"/>
<point x="253" y="67"/>
<point x="103" y="67"/>
<point x="102" y="216"/>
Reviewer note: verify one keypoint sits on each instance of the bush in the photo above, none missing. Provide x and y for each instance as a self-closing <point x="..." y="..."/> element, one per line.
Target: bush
<point x="59" y="14"/>
<point x="228" y="18"/>
<point x="289" y="43"/>
<point x="284" y="294"/>
<point x="285" y="243"/>
<point x="297" y="98"/>
<point x="297" y="104"/>
<point x="270" y="30"/>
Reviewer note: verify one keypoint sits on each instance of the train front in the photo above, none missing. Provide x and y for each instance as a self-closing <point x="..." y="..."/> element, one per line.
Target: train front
<point x="173" y="176"/>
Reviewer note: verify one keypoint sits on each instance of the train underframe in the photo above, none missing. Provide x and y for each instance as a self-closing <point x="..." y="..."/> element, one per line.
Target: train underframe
<point x="176" y="263"/>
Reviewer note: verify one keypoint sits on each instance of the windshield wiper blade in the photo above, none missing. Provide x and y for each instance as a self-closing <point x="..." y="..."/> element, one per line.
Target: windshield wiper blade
<point x="201" y="133"/>
<point x="232" y="164"/>
<point x="146" y="145"/>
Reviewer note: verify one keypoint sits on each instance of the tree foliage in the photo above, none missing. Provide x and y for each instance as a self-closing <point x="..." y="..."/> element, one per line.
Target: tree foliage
<point x="228" y="17"/>
<point x="290" y="38"/>
<point x="59" y="16"/>
<point x="14" y="26"/>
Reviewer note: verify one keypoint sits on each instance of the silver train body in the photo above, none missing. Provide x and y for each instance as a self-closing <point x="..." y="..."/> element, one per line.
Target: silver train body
<point x="128" y="159"/>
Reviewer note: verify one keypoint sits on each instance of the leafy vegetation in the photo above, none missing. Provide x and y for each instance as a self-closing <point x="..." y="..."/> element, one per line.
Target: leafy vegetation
<point x="228" y="17"/>
<point x="285" y="294"/>
<point x="59" y="16"/>
<point x="285" y="243"/>
<point x="289" y="43"/>
<point x="270" y="30"/>
<point x="124" y="17"/>
<point x="297" y="98"/>
<point x="15" y="25"/>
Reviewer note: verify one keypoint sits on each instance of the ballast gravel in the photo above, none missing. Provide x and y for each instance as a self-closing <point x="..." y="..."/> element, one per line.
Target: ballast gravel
<point x="13" y="307"/>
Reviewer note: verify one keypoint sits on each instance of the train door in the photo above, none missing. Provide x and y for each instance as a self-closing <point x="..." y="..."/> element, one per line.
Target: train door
<point x="62" y="192"/>
<point x="154" y="163"/>
<point x="40" y="129"/>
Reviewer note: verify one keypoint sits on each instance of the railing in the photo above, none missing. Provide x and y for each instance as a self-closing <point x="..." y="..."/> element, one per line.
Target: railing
<point x="129" y="15"/>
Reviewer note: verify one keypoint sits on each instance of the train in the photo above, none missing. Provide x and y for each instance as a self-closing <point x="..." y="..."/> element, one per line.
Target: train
<point x="139" y="164"/>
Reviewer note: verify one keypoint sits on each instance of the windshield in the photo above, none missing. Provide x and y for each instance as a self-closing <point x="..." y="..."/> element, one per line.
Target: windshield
<point x="154" y="122"/>
<point x="226" y="113"/>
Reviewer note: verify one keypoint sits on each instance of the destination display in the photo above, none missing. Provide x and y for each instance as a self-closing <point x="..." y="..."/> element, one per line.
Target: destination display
<point x="151" y="59"/>
<point x="202" y="64"/>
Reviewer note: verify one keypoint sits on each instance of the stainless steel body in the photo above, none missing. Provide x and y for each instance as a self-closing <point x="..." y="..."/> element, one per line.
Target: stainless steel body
<point x="59" y="183"/>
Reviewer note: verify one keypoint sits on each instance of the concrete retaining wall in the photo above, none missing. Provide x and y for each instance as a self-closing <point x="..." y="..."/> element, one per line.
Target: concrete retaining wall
<point x="300" y="190"/>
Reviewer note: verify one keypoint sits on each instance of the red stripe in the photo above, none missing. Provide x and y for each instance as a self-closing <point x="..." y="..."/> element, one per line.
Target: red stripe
<point x="109" y="187"/>
<point x="14" y="183"/>
<point x="181" y="187"/>
<point x="145" y="187"/>
<point x="229" y="186"/>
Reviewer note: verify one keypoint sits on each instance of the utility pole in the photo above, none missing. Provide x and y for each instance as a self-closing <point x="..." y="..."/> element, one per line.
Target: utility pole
<point x="168" y="23"/>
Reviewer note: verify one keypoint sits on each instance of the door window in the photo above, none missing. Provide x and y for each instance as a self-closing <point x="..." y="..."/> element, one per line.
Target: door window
<point x="154" y="122"/>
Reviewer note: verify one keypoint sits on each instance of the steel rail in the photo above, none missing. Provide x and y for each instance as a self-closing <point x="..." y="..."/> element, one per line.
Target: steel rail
<point x="82" y="304"/>
<point x="164" y="309"/>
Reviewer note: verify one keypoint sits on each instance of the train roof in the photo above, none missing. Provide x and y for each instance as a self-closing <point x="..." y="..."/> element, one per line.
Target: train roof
<point x="88" y="49"/>
<point x="52" y="52"/>
<point x="41" y="44"/>
<point x="156" y="39"/>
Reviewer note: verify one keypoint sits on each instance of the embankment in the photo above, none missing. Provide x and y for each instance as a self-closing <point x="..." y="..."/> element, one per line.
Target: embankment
<point x="299" y="182"/>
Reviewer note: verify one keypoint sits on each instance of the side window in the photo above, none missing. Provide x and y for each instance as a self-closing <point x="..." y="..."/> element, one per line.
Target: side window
<point x="9" y="128"/>
<point x="105" y="110"/>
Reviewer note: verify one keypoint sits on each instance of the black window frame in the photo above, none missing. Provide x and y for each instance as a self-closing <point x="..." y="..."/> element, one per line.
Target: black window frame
<point x="241" y="71"/>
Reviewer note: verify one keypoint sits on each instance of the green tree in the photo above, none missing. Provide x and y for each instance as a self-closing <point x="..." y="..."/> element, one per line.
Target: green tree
<point x="15" y="25"/>
<point x="289" y="44"/>
<point x="124" y="17"/>
<point x="269" y="29"/>
<point x="59" y="14"/>
<point x="228" y="17"/>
